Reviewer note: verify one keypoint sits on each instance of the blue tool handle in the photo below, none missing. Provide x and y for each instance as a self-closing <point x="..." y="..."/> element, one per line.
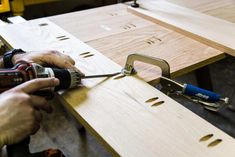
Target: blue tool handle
<point x="201" y="93"/>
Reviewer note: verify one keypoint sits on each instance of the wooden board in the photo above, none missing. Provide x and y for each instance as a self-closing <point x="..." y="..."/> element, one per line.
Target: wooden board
<point x="99" y="22"/>
<point x="212" y="31"/>
<point x="115" y="111"/>
<point x="221" y="9"/>
<point x="183" y="54"/>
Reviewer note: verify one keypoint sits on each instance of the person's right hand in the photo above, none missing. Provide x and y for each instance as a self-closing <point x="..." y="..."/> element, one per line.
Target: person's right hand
<point x="20" y="114"/>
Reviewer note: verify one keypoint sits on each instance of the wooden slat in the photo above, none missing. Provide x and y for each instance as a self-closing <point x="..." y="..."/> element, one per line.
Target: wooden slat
<point x="212" y="31"/>
<point x="115" y="111"/>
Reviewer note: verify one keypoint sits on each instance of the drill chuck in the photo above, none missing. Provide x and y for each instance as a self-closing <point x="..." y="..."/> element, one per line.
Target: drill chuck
<point x="69" y="78"/>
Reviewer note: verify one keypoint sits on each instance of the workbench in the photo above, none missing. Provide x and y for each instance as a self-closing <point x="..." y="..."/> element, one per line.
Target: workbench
<point x="116" y="33"/>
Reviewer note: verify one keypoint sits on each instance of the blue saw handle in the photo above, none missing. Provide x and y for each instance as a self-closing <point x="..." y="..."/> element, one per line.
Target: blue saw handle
<point x="201" y="93"/>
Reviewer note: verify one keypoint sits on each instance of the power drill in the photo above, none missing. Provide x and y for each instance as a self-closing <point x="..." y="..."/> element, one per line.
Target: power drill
<point x="23" y="72"/>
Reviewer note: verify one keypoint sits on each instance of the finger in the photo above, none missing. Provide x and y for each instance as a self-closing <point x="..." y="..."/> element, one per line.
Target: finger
<point x="71" y="60"/>
<point x="38" y="116"/>
<point x="36" y="127"/>
<point x="37" y="84"/>
<point x="41" y="103"/>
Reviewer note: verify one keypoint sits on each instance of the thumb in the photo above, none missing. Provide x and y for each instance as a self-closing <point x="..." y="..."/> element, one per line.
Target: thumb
<point x="37" y="84"/>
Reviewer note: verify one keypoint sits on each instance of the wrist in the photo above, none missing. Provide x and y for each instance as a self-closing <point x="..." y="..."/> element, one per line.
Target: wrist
<point x="1" y="62"/>
<point x="9" y="56"/>
<point x="3" y="152"/>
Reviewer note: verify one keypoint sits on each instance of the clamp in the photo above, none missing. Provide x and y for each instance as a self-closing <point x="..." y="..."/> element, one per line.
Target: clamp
<point x="210" y="100"/>
<point x="129" y="66"/>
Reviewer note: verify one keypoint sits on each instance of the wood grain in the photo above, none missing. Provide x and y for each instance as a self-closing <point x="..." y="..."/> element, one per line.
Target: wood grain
<point x="115" y="111"/>
<point x="209" y="30"/>
<point x="99" y="22"/>
<point x="221" y="9"/>
<point x="183" y="54"/>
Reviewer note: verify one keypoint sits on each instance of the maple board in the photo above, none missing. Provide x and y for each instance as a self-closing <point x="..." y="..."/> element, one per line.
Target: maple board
<point x="115" y="110"/>
<point x="212" y="31"/>
<point x="101" y="22"/>
<point x="117" y="33"/>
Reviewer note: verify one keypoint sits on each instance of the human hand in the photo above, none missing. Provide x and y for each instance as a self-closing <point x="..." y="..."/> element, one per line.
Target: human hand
<point x="54" y="58"/>
<point x="20" y="110"/>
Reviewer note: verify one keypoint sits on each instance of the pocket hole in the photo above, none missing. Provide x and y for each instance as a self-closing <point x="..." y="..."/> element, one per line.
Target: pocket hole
<point x="119" y="77"/>
<point x="205" y="138"/>
<point x="84" y="53"/>
<point x="42" y="24"/>
<point x="215" y="143"/>
<point x="158" y="103"/>
<point x="61" y="39"/>
<point x="151" y="100"/>
<point x="132" y="25"/>
<point x="89" y="55"/>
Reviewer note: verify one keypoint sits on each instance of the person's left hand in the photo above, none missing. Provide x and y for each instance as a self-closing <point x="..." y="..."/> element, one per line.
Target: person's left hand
<point x="51" y="57"/>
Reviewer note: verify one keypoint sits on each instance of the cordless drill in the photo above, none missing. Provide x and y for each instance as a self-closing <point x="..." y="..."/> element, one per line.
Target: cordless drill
<point x="23" y="72"/>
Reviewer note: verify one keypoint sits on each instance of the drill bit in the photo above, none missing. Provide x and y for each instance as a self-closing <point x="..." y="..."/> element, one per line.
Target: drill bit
<point x="102" y="75"/>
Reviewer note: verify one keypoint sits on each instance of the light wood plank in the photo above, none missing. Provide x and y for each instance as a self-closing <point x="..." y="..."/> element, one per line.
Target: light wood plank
<point x="115" y="110"/>
<point x="212" y="31"/>
<point x="221" y="9"/>
<point x="183" y="54"/>
<point x="100" y="22"/>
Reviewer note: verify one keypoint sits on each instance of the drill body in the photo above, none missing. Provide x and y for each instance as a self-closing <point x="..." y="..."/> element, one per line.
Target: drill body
<point x="24" y="71"/>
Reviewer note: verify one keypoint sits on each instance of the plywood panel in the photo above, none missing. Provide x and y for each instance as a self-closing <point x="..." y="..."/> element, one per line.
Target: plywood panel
<point x="212" y="31"/>
<point x="115" y="111"/>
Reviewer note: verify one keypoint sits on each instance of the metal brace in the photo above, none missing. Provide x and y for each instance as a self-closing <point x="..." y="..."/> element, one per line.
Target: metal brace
<point x="129" y="66"/>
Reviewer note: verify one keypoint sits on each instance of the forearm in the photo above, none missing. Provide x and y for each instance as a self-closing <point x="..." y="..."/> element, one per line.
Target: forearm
<point x="3" y="152"/>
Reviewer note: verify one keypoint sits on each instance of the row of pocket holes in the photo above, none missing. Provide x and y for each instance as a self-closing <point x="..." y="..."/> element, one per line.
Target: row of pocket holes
<point x="156" y="103"/>
<point x="213" y="143"/>
<point x="84" y="54"/>
<point x="203" y="139"/>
